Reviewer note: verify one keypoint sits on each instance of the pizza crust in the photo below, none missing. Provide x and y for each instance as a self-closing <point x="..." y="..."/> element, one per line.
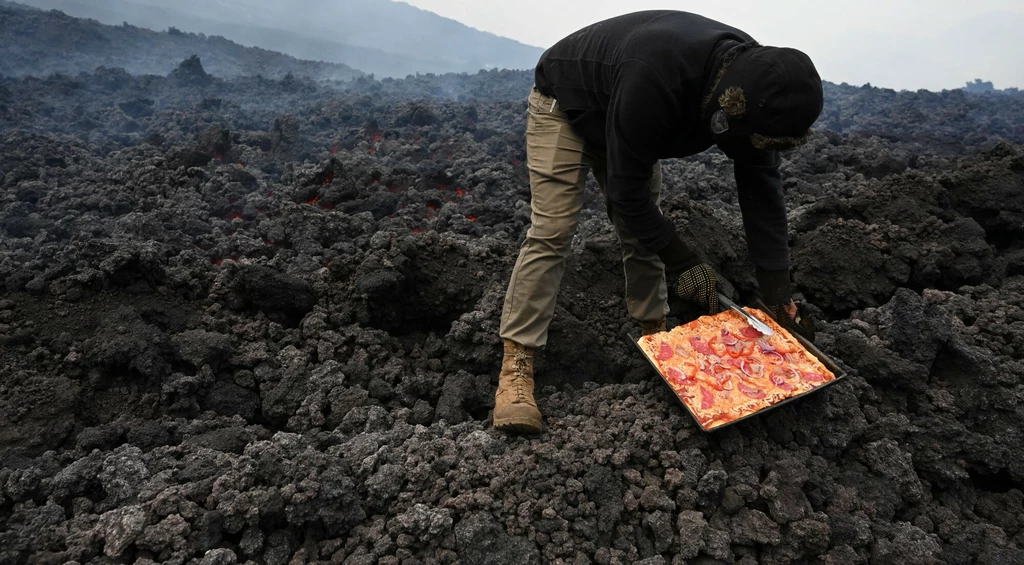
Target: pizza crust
<point x="723" y="369"/>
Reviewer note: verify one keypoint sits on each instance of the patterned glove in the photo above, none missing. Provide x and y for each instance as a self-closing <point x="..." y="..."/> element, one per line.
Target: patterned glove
<point x="691" y="279"/>
<point x="699" y="284"/>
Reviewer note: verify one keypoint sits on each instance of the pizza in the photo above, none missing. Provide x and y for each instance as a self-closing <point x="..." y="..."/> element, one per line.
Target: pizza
<point x="723" y="369"/>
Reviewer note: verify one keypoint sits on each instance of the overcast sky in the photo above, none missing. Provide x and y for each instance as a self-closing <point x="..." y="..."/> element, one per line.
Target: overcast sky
<point x="901" y="44"/>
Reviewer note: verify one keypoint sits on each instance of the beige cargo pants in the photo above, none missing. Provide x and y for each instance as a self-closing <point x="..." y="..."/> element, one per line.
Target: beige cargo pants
<point x="559" y="160"/>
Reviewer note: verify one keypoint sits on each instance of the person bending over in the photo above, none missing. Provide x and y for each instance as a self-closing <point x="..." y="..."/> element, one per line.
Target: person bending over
<point x="615" y="98"/>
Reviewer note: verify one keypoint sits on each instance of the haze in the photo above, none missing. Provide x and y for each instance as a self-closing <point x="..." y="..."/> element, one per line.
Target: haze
<point x="909" y="44"/>
<point x="904" y="44"/>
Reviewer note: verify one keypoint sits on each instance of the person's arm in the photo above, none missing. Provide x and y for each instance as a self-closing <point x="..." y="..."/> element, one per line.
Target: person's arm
<point x="640" y="111"/>
<point x="763" y="206"/>
<point x="643" y="116"/>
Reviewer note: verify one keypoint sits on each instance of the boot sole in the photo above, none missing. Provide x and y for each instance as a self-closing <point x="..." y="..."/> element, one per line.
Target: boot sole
<point x="520" y="425"/>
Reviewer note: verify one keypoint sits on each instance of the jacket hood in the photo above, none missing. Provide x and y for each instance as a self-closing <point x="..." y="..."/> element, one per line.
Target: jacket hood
<point x="771" y="96"/>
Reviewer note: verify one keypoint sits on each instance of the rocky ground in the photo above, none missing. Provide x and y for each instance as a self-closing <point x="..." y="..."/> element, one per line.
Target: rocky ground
<point x="255" y="320"/>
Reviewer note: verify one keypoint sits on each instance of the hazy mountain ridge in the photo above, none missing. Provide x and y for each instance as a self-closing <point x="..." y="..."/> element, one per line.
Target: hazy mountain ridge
<point x="35" y="42"/>
<point x="394" y="26"/>
<point x="380" y="37"/>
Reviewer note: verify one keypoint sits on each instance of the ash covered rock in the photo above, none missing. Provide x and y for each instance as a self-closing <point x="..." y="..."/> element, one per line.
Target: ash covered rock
<point x="255" y="320"/>
<point x="480" y="541"/>
<point x="125" y="343"/>
<point x="191" y="73"/>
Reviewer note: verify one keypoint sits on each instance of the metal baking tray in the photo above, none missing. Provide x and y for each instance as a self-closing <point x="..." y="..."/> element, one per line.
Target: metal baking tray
<point x="825" y="360"/>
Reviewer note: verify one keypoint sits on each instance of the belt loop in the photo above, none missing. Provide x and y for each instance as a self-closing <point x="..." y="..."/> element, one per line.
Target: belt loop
<point x="553" y="102"/>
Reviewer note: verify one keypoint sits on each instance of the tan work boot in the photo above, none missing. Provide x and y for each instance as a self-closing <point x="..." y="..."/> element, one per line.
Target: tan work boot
<point x="514" y="407"/>
<point x="649" y="328"/>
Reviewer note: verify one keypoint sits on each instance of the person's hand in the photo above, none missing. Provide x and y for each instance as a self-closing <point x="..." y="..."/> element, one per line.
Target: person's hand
<point x="688" y="277"/>
<point x="699" y="284"/>
<point x="796" y="318"/>
<point x="777" y="302"/>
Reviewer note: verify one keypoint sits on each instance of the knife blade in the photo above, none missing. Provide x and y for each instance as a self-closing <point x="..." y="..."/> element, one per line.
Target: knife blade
<point x="754" y="322"/>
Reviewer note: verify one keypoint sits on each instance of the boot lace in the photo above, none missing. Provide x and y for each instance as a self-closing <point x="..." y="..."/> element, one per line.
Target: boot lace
<point x="520" y="369"/>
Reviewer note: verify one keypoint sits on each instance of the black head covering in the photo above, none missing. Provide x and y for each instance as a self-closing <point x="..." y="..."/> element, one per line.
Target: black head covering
<point x="770" y="95"/>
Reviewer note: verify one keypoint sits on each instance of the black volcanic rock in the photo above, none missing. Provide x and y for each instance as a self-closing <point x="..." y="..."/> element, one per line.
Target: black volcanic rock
<point x="271" y="292"/>
<point x="482" y="542"/>
<point x="257" y="320"/>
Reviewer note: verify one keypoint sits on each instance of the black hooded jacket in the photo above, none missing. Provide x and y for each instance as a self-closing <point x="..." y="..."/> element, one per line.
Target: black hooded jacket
<point x="634" y="85"/>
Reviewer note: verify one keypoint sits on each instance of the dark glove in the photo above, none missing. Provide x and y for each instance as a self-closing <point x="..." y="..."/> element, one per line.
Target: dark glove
<point x="699" y="284"/>
<point x="690" y="278"/>
<point x="775" y="290"/>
